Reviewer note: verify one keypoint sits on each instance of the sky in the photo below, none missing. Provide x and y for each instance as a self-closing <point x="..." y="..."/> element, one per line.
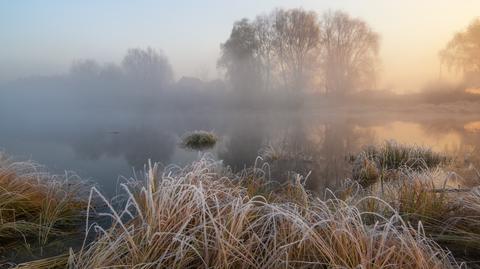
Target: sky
<point x="44" y="37"/>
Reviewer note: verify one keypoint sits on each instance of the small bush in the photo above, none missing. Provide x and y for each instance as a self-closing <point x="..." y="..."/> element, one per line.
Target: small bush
<point x="199" y="140"/>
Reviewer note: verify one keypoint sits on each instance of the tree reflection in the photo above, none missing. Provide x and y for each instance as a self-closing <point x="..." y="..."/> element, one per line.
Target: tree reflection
<point x="135" y="145"/>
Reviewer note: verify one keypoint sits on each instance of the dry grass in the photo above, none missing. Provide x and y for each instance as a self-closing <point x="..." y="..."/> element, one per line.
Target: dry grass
<point x="381" y="162"/>
<point x="203" y="216"/>
<point x="36" y="207"/>
<point x="283" y="151"/>
<point x="448" y="215"/>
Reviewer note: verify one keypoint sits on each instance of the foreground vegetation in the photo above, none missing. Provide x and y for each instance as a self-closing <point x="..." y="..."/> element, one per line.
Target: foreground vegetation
<point x="36" y="208"/>
<point x="206" y="216"/>
<point x="448" y="215"/>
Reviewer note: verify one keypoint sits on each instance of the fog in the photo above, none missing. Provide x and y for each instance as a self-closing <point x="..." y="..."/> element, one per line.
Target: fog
<point x="148" y="128"/>
<point x="44" y="38"/>
<point x="303" y="82"/>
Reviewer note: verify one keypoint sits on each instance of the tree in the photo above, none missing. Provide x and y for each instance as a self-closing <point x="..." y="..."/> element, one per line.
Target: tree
<point x="348" y="53"/>
<point x="147" y="66"/>
<point x="266" y="37"/>
<point x="462" y="52"/>
<point x="278" y="46"/>
<point x="85" y="69"/>
<point x="292" y="49"/>
<point x="239" y="57"/>
<point x="297" y="37"/>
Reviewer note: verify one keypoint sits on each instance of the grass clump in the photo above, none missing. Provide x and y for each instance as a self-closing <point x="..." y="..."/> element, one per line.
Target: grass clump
<point x="199" y="140"/>
<point x="447" y="214"/>
<point x="36" y="208"/>
<point x="376" y="163"/>
<point x="204" y="216"/>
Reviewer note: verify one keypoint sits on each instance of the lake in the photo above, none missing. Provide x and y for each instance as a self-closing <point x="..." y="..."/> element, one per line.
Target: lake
<point x="102" y="147"/>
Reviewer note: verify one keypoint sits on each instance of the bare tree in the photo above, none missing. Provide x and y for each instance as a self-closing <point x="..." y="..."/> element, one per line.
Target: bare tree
<point x="266" y="37"/>
<point x="348" y="54"/>
<point x="85" y="69"/>
<point x="297" y="37"/>
<point x="275" y="47"/>
<point x="462" y="52"/>
<point x="294" y="50"/>
<point x="239" y="57"/>
<point x="148" y="66"/>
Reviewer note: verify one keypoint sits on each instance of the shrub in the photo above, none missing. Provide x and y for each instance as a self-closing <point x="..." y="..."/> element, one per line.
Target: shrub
<point x="199" y="140"/>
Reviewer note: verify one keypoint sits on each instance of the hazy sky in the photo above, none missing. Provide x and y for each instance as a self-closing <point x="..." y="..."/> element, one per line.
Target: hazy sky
<point x="43" y="37"/>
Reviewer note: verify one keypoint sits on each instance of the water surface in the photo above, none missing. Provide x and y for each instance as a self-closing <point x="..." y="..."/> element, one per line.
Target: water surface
<point x="104" y="146"/>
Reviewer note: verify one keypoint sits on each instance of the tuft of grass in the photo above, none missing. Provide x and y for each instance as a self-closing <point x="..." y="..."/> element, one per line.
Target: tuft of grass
<point x="199" y="140"/>
<point x="57" y="262"/>
<point x="204" y="216"/>
<point x="36" y="207"/>
<point x="380" y="162"/>
<point x="448" y="215"/>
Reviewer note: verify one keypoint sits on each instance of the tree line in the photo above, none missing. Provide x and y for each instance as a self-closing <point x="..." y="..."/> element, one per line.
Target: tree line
<point x="297" y="51"/>
<point x="291" y="51"/>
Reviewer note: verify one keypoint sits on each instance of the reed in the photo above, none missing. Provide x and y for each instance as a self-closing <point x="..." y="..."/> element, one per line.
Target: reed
<point x="37" y="207"/>
<point x="448" y="215"/>
<point x="375" y="163"/>
<point x="204" y="216"/>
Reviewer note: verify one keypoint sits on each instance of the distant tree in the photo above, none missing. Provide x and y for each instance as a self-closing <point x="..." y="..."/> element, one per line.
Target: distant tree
<point x="266" y="37"/>
<point x="239" y="57"/>
<point x="294" y="50"/>
<point x="348" y="53"/>
<point x="148" y="66"/>
<point x="279" y="46"/>
<point x="297" y="37"/>
<point x="111" y="71"/>
<point x="85" y="69"/>
<point x="462" y="52"/>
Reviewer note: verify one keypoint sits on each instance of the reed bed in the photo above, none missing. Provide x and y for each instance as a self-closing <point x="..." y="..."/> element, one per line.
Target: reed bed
<point x="204" y="216"/>
<point x="448" y="214"/>
<point x="379" y="162"/>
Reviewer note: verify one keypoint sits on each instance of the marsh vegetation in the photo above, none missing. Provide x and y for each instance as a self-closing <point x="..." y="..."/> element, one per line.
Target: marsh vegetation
<point x="301" y="172"/>
<point x="377" y="163"/>
<point x="199" y="140"/>
<point x="38" y="210"/>
<point x="206" y="215"/>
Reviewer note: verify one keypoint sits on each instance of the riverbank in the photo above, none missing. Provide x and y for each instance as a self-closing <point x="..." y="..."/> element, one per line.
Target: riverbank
<point x="411" y="214"/>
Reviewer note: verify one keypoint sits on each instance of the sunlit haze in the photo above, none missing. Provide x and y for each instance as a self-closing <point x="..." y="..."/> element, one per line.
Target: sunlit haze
<point x="253" y="134"/>
<point x="44" y="37"/>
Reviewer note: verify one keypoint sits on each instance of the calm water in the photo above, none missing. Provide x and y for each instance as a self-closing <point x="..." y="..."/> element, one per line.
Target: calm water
<point x="104" y="146"/>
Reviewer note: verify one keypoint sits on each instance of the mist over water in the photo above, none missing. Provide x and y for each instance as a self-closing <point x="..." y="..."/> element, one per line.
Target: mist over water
<point x="293" y="84"/>
<point x="102" y="144"/>
<point x="239" y="134"/>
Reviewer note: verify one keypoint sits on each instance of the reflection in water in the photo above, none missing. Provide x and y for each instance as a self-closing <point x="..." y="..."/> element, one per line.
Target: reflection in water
<point x="415" y="133"/>
<point x="473" y="127"/>
<point x="136" y="145"/>
<point x="473" y="90"/>
<point x="308" y="142"/>
<point x="243" y="140"/>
